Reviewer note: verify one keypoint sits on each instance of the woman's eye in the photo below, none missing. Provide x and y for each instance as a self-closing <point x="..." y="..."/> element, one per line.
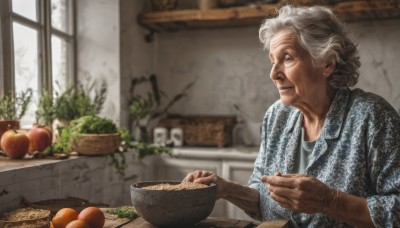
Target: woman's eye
<point x="288" y="58"/>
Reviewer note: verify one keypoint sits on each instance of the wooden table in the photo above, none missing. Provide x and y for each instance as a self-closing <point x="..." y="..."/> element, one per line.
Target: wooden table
<point x="214" y="222"/>
<point x="113" y="222"/>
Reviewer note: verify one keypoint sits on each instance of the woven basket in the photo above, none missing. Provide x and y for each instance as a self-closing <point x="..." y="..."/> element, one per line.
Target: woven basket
<point x="97" y="144"/>
<point x="203" y="130"/>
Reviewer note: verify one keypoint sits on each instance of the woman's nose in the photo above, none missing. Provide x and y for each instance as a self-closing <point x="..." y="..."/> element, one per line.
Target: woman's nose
<point x="276" y="72"/>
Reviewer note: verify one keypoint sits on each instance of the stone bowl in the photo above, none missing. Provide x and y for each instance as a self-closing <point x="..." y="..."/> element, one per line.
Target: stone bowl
<point x="173" y="208"/>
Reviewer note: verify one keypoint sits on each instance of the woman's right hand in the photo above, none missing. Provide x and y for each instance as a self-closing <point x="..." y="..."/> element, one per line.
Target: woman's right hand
<point x="206" y="177"/>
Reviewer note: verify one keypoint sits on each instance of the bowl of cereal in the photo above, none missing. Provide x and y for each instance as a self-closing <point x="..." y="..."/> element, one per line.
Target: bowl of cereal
<point x="173" y="203"/>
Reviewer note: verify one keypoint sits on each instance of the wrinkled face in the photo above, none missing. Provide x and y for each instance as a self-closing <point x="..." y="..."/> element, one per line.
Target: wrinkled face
<point x="293" y="73"/>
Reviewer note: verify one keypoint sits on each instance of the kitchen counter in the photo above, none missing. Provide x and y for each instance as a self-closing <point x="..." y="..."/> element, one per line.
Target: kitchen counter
<point x="93" y="179"/>
<point x="212" y="153"/>
<point x="14" y="164"/>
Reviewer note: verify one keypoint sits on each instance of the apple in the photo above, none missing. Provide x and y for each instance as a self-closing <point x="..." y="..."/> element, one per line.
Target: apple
<point x="40" y="138"/>
<point x="15" y="144"/>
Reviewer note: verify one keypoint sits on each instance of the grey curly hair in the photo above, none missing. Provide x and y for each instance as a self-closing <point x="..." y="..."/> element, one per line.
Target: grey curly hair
<point x="321" y="33"/>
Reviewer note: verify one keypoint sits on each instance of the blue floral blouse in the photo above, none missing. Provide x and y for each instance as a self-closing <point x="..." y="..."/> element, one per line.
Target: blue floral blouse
<point x="358" y="152"/>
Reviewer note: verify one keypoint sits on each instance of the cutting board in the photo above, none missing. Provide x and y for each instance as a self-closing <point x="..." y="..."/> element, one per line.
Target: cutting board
<point x="112" y="221"/>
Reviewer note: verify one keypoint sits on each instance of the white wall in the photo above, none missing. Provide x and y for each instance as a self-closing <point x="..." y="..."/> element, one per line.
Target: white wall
<point x="98" y="39"/>
<point x="379" y="48"/>
<point x="232" y="68"/>
<point x="137" y="56"/>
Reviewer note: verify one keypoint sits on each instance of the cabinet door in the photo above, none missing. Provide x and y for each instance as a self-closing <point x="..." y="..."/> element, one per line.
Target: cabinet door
<point x="238" y="172"/>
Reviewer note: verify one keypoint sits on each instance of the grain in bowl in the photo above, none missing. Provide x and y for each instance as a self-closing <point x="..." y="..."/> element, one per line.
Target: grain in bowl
<point x="181" y="186"/>
<point x="173" y="203"/>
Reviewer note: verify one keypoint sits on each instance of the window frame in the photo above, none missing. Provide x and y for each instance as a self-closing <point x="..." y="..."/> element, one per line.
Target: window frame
<point x="45" y="31"/>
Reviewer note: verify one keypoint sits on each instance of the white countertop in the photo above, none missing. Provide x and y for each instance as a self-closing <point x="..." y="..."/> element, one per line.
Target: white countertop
<point x="240" y="153"/>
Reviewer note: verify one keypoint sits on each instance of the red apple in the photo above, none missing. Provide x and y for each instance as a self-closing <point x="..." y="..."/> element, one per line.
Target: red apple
<point x="39" y="137"/>
<point x="14" y="144"/>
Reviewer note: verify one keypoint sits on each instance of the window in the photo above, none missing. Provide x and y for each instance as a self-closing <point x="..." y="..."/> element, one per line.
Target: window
<point x="37" y="47"/>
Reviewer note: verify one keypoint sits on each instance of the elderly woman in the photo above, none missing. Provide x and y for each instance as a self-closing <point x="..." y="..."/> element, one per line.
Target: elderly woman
<point x="330" y="155"/>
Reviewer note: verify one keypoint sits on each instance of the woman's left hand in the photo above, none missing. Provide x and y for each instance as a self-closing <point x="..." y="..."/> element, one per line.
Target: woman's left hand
<point x="300" y="193"/>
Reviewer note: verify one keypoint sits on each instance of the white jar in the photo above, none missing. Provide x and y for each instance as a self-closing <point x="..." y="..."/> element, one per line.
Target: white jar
<point x="177" y="136"/>
<point x="160" y="135"/>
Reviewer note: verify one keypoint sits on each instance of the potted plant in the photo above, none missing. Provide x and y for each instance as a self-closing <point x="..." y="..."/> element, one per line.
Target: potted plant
<point x="144" y="109"/>
<point x="76" y="101"/>
<point x="45" y="112"/>
<point x="12" y="109"/>
<point x="92" y="135"/>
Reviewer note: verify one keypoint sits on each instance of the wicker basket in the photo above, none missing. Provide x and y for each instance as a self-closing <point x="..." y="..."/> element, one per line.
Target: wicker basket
<point x="203" y="130"/>
<point x="97" y="144"/>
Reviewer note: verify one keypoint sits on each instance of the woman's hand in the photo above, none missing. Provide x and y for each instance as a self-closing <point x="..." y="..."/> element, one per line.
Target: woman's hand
<point x="206" y="177"/>
<point x="300" y="193"/>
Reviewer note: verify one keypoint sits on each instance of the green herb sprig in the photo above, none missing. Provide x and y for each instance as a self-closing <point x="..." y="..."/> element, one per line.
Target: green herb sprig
<point x="124" y="212"/>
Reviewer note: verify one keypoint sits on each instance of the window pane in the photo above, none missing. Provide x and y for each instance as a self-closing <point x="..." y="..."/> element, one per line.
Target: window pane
<point x="59" y="48"/>
<point x="60" y="15"/>
<point x="26" y="8"/>
<point x="26" y="66"/>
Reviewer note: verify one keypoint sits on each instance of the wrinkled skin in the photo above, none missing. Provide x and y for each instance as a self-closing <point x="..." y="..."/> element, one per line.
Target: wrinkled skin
<point x="299" y="193"/>
<point x="206" y="177"/>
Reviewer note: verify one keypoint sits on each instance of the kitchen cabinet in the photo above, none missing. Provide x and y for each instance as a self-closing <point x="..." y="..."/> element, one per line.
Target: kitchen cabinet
<point x="230" y="163"/>
<point x="254" y="14"/>
<point x="238" y="171"/>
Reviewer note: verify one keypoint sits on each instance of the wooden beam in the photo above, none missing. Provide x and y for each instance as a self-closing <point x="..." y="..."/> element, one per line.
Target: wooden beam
<point x="253" y="15"/>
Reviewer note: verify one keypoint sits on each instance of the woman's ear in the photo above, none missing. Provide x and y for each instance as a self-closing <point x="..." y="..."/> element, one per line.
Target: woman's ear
<point x="329" y="67"/>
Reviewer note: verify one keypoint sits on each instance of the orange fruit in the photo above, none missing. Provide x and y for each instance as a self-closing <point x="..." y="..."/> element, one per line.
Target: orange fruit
<point x="63" y="217"/>
<point x="92" y="216"/>
<point x="77" y="224"/>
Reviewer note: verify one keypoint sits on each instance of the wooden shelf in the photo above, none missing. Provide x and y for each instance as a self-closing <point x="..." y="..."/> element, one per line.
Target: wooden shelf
<point x="253" y="15"/>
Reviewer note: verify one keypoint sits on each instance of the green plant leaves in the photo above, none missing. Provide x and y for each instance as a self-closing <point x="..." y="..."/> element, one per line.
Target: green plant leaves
<point x="15" y="108"/>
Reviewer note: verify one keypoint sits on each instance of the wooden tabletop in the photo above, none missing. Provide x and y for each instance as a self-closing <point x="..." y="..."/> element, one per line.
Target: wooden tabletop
<point x="214" y="222"/>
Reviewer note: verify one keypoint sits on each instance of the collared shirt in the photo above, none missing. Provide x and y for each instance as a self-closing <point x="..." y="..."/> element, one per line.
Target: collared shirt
<point x="358" y="152"/>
